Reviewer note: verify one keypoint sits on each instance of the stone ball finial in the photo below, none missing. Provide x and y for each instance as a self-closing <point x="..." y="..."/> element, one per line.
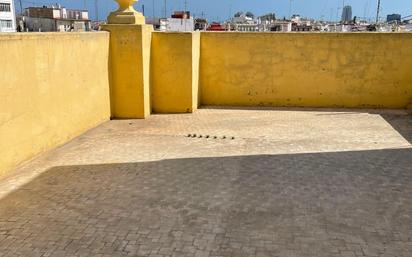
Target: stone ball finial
<point x="126" y="4"/>
<point x="126" y="14"/>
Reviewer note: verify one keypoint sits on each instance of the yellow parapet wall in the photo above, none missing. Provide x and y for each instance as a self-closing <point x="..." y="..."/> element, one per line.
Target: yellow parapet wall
<point x="306" y="69"/>
<point x="53" y="87"/>
<point x="174" y="72"/>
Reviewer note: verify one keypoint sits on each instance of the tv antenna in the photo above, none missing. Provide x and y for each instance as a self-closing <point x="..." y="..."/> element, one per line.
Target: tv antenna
<point x="153" y="14"/>
<point x="165" y="9"/>
<point x="21" y="7"/>
<point x="96" y="9"/>
<point x="185" y="20"/>
<point x="378" y="11"/>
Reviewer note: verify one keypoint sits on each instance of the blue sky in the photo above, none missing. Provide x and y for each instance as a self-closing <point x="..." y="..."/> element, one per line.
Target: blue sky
<point x="220" y="9"/>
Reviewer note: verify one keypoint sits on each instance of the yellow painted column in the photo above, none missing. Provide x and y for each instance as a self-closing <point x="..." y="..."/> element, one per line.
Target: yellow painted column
<point x="175" y="72"/>
<point x="129" y="62"/>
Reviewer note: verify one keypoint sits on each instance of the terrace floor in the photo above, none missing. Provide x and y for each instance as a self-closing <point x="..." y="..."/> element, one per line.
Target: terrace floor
<point x="291" y="182"/>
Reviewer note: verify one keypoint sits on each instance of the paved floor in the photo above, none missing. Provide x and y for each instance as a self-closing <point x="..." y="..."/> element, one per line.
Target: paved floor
<point x="273" y="183"/>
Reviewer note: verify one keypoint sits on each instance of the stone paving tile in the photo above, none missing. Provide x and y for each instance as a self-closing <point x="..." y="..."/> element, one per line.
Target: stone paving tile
<point x="291" y="183"/>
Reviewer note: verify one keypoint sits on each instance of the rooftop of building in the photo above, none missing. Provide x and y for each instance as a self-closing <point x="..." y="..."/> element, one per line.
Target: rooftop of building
<point x="55" y="7"/>
<point x="273" y="180"/>
<point x="110" y="143"/>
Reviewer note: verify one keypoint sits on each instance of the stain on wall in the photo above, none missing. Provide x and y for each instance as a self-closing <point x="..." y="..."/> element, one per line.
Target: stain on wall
<point x="371" y="70"/>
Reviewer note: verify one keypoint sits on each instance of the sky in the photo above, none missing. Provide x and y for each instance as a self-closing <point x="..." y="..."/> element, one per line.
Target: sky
<point x="219" y="10"/>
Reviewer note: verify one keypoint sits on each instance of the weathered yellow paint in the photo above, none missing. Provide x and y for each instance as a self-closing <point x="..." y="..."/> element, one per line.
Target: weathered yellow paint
<point x="306" y="69"/>
<point x="129" y="70"/>
<point x="175" y="72"/>
<point x="53" y="87"/>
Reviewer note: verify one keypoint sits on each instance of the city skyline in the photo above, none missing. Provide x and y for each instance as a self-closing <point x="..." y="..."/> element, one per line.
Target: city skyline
<point x="220" y="10"/>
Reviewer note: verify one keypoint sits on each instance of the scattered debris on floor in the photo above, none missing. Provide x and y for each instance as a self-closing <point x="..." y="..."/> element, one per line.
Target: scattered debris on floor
<point x="209" y="136"/>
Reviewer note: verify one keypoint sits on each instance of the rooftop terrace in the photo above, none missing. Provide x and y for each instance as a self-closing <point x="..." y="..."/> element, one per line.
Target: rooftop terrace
<point x="292" y="182"/>
<point x="105" y="152"/>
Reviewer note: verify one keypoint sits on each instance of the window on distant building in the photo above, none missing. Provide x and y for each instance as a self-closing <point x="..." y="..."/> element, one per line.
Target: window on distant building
<point x="5" y="7"/>
<point x="6" y="24"/>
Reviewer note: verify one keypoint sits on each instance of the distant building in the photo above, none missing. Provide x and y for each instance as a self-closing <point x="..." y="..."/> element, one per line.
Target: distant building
<point x="215" y="26"/>
<point x="296" y="18"/>
<point x="200" y="24"/>
<point x="180" y="22"/>
<point x="247" y="27"/>
<point x="407" y="27"/>
<point x="266" y="21"/>
<point x="393" y="18"/>
<point x="7" y="16"/>
<point x="301" y="27"/>
<point x="180" y="25"/>
<point x="181" y="15"/>
<point x="56" y="18"/>
<point x="344" y="28"/>
<point x="347" y="14"/>
<point x="244" y="22"/>
<point x="270" y="17"/>
<point x="158" y="23"/>
<point x="281" y="26"/>
<point x="243" y="18"/>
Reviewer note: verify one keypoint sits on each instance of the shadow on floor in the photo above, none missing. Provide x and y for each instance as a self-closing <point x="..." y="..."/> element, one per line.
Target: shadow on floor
<point x="401" y="123"/>
<point x="320" y="204"/>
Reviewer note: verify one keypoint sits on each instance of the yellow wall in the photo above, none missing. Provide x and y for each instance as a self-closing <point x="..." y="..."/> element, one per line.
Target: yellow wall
<point x="129" y="70"/>
<point x="174" y="72"/>
<point x="53" y="87"/>
<point x="306" y="69"/>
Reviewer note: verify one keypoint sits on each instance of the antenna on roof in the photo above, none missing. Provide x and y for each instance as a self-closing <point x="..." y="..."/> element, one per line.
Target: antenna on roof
<point x="165" y="9"/>
<point x="377" y="11"/>
<point x="96" y="9"/>
<point x="21" y="8"/>
<point x="186" y="15"/>
<point x="153" y="15"/>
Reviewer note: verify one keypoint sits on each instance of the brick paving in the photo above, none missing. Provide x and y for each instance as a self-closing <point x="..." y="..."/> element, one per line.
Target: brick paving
<point x="290" y="183"/>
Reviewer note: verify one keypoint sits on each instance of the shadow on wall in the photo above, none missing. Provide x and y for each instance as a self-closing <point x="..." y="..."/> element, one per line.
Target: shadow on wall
<point x="241" y="206"/>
